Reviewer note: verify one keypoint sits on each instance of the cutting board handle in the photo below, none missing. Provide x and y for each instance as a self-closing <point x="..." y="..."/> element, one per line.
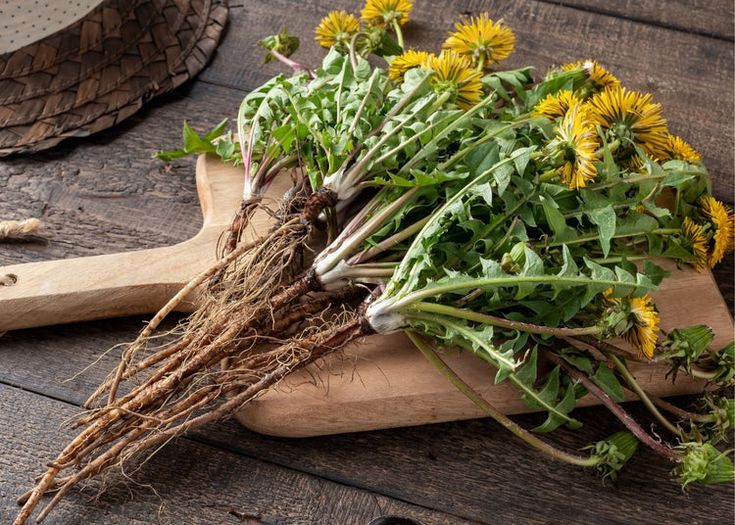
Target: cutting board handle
<point x="115" y="285"/>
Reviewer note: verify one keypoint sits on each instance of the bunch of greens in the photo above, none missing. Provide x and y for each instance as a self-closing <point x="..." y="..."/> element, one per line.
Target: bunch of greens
<point x="526" y="222"/>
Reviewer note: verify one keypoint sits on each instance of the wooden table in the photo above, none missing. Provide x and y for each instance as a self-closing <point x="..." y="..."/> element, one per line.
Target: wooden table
<point x="106" y="194"/>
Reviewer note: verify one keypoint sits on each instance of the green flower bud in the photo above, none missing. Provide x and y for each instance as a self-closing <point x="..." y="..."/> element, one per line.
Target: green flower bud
<point x="725" y="364"/>
<point x="703" y="463"/>
<point x="513" y="261"/>
<point x="689" y="342"/>
<point x="723" y="418"/>
<point x="615" y="320"/>
<point x="282" y="43"/>
<point x="685" y="346"/>
<point x="614" y="452"/>
<point x="372" y="40"/>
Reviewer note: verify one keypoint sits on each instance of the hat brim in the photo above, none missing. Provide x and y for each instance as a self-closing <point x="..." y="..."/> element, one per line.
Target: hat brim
<point x="101" y="69"/>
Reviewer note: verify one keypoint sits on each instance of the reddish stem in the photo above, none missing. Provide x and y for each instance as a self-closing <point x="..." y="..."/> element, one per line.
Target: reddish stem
<point x="616" y="409"/>
<point x="296" y="66"/>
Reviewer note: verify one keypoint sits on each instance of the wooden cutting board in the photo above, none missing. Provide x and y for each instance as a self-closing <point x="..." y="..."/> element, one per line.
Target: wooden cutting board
<point x="380" y="383"/>
<point x="385" y="382"/>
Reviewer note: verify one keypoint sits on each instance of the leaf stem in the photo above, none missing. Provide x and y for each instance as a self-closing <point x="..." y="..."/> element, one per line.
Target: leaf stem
<point x="346" y="181"/>
<point x="363" y="102"/>
<point x="616" y="409"/>
<point x="330" y="256"/>
<point x="412" y="138"/>
<point x="494" y="413"/>
<point x="628" y="180"/>
<point x="474" y="343"/>
<point x="390" y="242"/>
<point x="481" y="282"/>
<point x="296" y="66"/>
<point x="633" y="384"/>
<point x="595" y="237"/>
<point x="399" y="33"/>
<point x="429" y="146"/>
<point x="469" y="315"/>
<point x="680" y="412"/>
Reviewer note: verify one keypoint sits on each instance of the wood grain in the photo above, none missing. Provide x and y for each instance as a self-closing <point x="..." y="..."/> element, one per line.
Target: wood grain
<point x="506" y="481"/>
<point x="396" y="385"/>
<point x="712" y="18"/>
<point x="128" y="283"/>
<point x="107" y="194"/>
<point x="185" y="485"/>
<point x="383" y="381"/>
<point x="104" y="194"/>
<point x="692" y="76"/>
<point x="471" y="469"/>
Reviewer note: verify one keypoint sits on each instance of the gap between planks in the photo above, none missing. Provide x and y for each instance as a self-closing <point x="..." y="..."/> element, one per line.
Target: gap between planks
<point x="639" y="20"/>
<point x="213" y="444"/>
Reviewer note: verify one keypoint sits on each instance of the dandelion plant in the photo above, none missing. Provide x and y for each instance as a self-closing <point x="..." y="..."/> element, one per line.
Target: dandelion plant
<point x="520" y="219"/>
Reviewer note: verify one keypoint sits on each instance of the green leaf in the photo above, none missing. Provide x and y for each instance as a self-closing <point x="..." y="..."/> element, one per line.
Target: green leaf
<point x="525" y="378"/>
<point x="582" y="362"/>
<point x="654" y="272"/>
<point x="562" y="232"/>
<point x="388" y="46"/>
<point x="608" y="381"/>
<point x="216" y="131"/>
<point x="225" y="149"/>
<point x="605" y="219"/>
<point x="559" y="416"/>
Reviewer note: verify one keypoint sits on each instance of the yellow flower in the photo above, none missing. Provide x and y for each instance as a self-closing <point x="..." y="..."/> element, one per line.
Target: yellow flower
<point x="453" y="74"/>
<point x="384" y="12"/>
<point x="485" y="42"/>
<point x="576" y="143"/>
<point x="599" y="76"/>
<point x="643" y="330"/>
<point x="336" y="28"/>
<point x="723" y="221"/>
<point x="631" y="117"/>
<point x="679" y="149"/>
<point x="696" y="240"/>
<point x="408" y="60"/>
<point x="556" y="104"/>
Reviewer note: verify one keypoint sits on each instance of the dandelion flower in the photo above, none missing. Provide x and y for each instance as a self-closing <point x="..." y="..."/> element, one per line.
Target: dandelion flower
<point x="336" y="28"/>
<point x="576" y="143"/>
<point x="453" y="74"/>
<point x="483" y="41"/>
<point x="643" y="330"/>
<point x="679" y="149"/>
<point x="408" y="60"/>
<point x="385" y="12"/>
<point x="556" y="104"/>
<point x="696" y="240"/>
<point x="723" y="221"/>
<point x="631" y="118"/>
<point x="597" y="74"/>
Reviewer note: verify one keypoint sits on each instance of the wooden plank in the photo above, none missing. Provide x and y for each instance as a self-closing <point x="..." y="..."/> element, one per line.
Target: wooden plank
<point x="105" y="194"/>
<point x="387" y="461"/>
<point x="186" y="483"/>
<point x="712" y="18"/>
<point x="690" y="75"/>
<point x="397" y="387"/>
<point x="471" y="469"/>
<point x="477" y="470"/>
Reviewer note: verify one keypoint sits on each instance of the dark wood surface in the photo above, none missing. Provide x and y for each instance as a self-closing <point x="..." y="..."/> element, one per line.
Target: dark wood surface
<point x="105" y="194"/>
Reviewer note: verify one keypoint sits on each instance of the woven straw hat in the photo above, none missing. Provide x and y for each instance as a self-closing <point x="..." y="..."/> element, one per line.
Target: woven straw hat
<point x="70" y="68"/>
